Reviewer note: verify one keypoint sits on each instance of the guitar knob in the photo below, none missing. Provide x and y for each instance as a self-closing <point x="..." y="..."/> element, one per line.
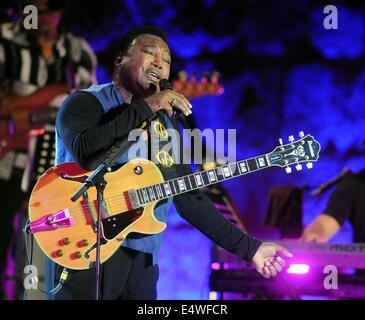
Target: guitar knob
<point x="281" y="141"/>
<point x="76" y="255"/>
<point x="301" y="134"/>
<point x="288" y="170"/>
<point x="83" y="243"/>
<point x="309" y="165"/>
<point x="291" y="139"/>
<point x="299" y="167"/>
<point x="64" y="242"/>
<point x="57" y="253"/>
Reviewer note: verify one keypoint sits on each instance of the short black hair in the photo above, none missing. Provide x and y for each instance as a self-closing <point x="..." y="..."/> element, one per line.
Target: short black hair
<point x="129" y="37"/>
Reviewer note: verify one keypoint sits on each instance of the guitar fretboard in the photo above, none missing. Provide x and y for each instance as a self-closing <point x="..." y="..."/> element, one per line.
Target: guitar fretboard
<point x="199" y="180"/>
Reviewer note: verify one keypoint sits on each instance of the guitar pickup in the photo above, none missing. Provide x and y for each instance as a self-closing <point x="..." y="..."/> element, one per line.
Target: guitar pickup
<point x="61" y="219"/>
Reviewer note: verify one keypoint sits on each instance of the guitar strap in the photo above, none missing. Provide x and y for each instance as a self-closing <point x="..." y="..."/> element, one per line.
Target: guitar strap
<point x="163" y="151"/>
<point x="162" y="147"/>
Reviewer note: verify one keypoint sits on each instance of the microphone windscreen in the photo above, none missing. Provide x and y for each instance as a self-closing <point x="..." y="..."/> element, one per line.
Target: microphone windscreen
<point x="165" y="84"/>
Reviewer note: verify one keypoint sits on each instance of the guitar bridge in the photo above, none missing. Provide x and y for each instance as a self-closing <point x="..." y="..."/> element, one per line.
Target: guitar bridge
<point x="61" y="219"/>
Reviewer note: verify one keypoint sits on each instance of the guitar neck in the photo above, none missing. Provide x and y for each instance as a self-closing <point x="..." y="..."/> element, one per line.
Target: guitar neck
<point x="304" y="150"/>
<point x="201" y="179"/>
<point x="39" y="99"/>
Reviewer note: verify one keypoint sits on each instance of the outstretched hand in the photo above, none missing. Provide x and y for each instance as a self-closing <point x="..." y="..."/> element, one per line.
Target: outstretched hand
<point x="268" y="261"/>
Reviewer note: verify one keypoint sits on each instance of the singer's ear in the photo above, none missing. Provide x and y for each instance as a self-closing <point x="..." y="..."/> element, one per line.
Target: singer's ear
<point x="118" y="59"/>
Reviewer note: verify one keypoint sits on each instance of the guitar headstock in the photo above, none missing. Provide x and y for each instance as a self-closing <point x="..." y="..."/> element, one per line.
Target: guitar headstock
<point x="191" y="87"/>
<point x="305" y="149"/>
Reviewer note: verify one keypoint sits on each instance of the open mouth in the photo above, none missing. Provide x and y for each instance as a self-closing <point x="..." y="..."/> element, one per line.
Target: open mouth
<point x="153" y="76"/>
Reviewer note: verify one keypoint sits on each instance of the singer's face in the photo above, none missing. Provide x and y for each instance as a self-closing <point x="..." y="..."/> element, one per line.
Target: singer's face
<point x="146" y="63"/>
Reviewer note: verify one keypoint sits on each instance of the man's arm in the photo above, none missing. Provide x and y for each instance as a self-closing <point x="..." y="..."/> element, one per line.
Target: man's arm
<point x="339" y="207"/>
<point x="321" y="229"/>
<point x="87" y="131"/>
<point x="198" y="209"/>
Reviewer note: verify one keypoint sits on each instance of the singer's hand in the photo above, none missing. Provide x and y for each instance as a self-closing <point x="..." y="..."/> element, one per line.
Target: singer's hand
<point x="169" y="100"/>
<point x="267" y="259"/>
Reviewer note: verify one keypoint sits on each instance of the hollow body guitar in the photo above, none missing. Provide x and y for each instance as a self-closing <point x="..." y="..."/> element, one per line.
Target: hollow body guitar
<point x="65" y="230"/>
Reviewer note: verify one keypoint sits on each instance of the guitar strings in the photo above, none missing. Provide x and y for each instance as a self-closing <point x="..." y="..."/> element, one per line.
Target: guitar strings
<point x="110" y="199"/>
<point x="83" y="207"/>
<point x="118" y="197"/>
<point x="80" y="211"/>
<point x="91" y="232"/>
<point x="182" y="177"/>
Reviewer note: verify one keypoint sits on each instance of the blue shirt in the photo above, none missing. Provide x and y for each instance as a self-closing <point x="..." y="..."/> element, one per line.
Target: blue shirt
<point x="109" y="97"/>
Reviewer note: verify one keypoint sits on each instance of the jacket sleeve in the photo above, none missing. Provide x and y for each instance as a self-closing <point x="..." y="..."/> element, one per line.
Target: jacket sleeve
<point x="199" y="210"/>
<point x="87" y="131"/>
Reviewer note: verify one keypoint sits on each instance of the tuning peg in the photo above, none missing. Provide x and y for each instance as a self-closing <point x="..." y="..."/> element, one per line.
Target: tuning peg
<point x="291" y="139"/>
<point x="301" y="134"/>
<point x="309" y="165"/>
<point x="299" y="167"/>
<point x="281" y="141"/>
<point x="288" y="170"/>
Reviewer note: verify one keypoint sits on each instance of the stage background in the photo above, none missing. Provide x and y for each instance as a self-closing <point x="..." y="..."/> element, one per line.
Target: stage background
<point x="282" y="72"/>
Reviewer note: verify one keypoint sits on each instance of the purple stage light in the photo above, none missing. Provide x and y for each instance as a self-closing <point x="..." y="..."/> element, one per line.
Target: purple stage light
<point x="298" y="269"/>
<point x="215" y="266"/>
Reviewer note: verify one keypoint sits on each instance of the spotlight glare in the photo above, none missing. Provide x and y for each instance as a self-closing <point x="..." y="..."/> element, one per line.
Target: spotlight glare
<point x="298" y="269"/>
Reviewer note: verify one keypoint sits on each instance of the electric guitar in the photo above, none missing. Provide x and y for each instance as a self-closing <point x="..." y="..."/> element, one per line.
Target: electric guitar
<point x="66" y="232"/>
<point x="20" y="114"/>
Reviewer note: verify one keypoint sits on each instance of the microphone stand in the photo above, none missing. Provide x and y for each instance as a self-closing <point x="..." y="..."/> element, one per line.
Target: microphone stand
<point x="326" y="185"/>
<point x="97" y="180"/>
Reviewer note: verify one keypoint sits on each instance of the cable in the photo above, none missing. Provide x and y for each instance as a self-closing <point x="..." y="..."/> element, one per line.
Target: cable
<point x="29" y="256"/>
<point x="63" y="278"/>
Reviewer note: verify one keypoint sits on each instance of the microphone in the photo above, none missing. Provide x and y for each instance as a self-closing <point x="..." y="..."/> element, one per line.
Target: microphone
<point x="326" y="185"/>
<point x="165" y="84"/>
